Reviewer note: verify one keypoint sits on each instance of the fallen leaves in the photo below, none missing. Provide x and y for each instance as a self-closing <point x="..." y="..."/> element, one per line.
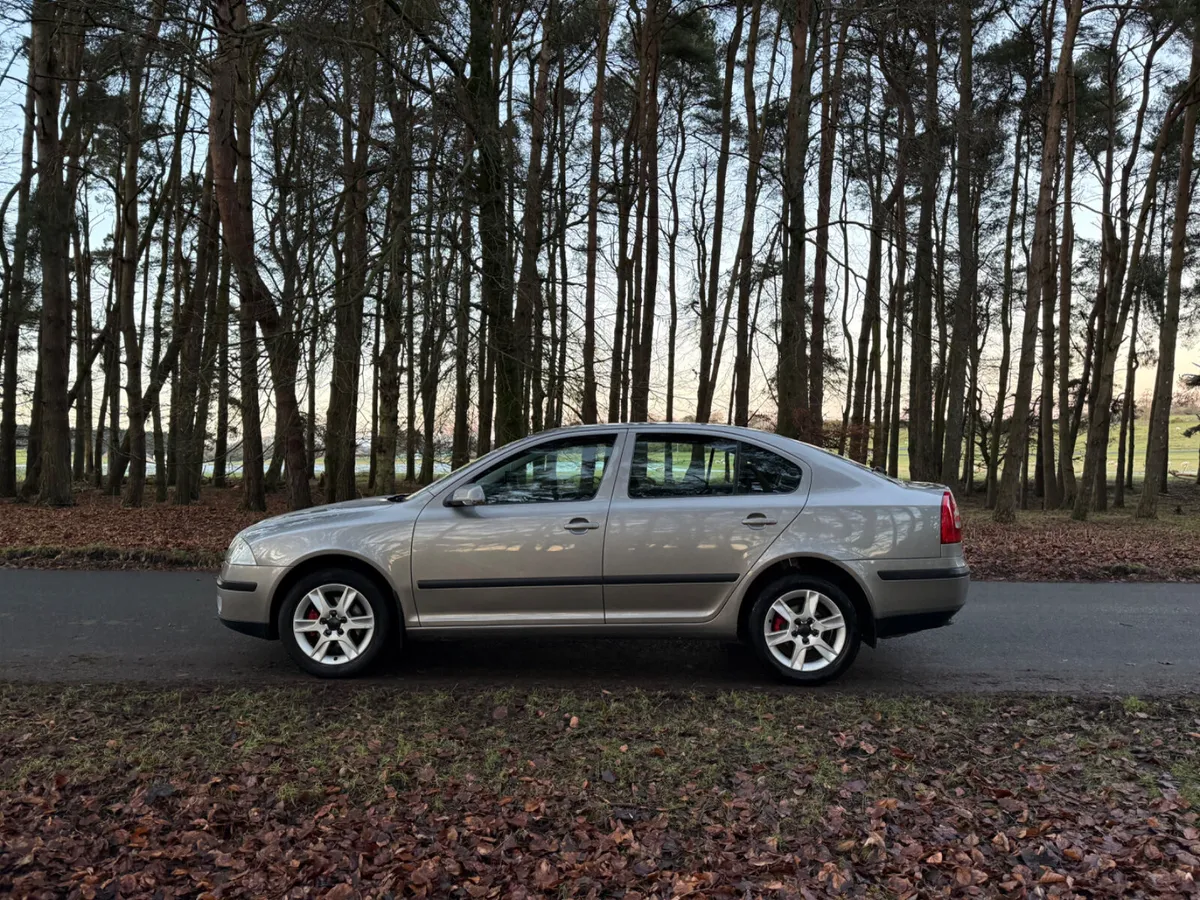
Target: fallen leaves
<point x="1052" y="547"/>
<point x="281" y="792"/>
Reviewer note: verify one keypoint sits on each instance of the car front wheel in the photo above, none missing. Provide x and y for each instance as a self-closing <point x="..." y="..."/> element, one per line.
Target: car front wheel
<point x="804" y="629"/>
<point x="335" y="623"/>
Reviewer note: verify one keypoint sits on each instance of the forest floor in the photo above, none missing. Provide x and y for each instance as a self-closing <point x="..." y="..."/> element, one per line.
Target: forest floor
<point x="124" y="791"/>
<point x="1043" y="546"/>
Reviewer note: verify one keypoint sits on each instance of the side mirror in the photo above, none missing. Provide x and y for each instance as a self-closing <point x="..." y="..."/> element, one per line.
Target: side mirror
<point x="471" y="495"/>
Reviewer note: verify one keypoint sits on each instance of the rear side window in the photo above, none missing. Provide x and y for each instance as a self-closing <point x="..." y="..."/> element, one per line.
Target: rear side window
<point x="680" y="465"/>
<point x="763" y="472"/>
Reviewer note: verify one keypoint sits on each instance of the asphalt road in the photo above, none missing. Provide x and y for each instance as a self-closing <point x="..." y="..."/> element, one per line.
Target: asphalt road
<point x="161" y="627"/>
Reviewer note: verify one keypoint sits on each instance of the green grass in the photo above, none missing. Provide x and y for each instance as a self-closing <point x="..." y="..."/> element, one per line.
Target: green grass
<point x="1183" y="452"/>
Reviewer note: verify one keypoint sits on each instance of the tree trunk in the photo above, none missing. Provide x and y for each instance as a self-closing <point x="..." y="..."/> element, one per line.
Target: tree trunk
<point x="589" y="411"/>
<point x="529" y="281"/>
<point x="745" y="251"/>
<point x="964" y="305"/>
<point x="460" y="451"/>
<point x="54" y="477"/>
<point x="650" y="41"/>
<point x="16" y="300"/>
<point x="1111" y="331"/>
<point x="708" y="361"/>
<point x="830" y="109"/>
<point x="868" y="332"/>
<point x="1066" y="434"/>
<point x="672" y="248"/>
<point x="190" y="376"/>
<point x="1127" y="408"/>
<point x="229" y="150"/>
<point x="221" y="450"/>
<point x="127" y="280"/>
<point x="1159" y="432"/>
<point x="920" y="393"/>
<point x="1005" y="510"/>
<point x="792" y="367"/>
<point x="341" y="437"/>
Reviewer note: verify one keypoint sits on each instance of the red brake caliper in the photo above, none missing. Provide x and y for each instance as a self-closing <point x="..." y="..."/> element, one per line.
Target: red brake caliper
<point x="311" y="614"/>
<point x="778" y="623"/>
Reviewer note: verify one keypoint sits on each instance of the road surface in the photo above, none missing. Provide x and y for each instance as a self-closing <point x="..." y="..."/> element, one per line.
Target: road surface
<point x="161" y="627"/>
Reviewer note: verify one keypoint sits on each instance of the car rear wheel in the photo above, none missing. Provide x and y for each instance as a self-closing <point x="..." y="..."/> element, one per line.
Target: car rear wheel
<point x="335" y="623"/>
<point x="804" y="629"/>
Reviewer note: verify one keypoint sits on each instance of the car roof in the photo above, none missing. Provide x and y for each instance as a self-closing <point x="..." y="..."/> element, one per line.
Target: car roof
<point x="732" y="430"/>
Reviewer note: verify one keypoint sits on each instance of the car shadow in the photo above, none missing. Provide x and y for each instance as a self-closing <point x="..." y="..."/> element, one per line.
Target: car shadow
<point x="658" y="664"/>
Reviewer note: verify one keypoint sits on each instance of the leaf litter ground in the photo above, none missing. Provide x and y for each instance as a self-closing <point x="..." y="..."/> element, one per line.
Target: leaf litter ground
<point x="341" y="792"/>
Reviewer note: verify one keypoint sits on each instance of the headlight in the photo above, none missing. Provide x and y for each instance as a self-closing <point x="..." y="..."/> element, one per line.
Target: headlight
<point x="240" y="554"/>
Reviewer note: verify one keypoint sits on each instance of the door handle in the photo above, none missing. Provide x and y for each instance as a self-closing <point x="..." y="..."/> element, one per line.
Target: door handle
<point x="579" y="526"/>
<point x="757" y="520"/>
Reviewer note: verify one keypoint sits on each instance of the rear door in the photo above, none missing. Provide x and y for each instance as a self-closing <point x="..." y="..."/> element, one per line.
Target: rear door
<point x="533" y="553"/>
<point x="693" y="515"/>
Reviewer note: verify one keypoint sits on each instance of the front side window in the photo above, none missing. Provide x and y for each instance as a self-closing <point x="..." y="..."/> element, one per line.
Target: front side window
<point x="566" y="469"/>
<point x="704" y="466"/>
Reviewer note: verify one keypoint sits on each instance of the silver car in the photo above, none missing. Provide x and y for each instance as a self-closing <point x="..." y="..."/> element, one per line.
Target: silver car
<point x="656" y="530"/>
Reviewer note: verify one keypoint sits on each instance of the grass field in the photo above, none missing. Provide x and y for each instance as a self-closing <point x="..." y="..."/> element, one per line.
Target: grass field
<point x="1183" y="452"/>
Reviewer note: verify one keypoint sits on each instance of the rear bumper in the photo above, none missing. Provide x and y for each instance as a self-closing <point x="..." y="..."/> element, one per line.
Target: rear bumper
<point x="244" y="598"/>
<point x="911" y="595"/>
<point x="910" y="623"/>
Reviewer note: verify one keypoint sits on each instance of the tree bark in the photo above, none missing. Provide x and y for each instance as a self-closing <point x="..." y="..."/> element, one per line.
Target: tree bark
<point x="1158" y="433"/>
<point x="127" y="280"/>
<point x="54" y="477"/>
<point x="491" y="180"/>
<point x="745" y="251"/>
<point x="589" y="410"/>
<point x="651" y="40"/>
<point x="1066" y="434"/>
<point x="920" y="393"/>
<point x="964" y="305"/>
<point x="460" y="452"/>
<point x="708" y="317"/>
<point x="16" y="298"/>
<point x="1005" y="510"/>
<point x="341" y="438"/>
<point x="792" y="368"/>
<point x="229" y="150"/>
<point x="831" y="79"/>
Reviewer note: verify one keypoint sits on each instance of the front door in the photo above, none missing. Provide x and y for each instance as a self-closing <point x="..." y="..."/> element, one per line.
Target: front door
<point x="532" y="554"/>
<point x="695" y="514"/>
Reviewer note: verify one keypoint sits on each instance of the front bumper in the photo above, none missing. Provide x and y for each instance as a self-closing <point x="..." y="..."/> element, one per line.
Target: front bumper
<point x="244" y="595"/>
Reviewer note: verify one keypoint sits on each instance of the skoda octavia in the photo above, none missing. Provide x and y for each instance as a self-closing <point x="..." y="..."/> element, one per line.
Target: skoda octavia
<point x="658" y="530"/>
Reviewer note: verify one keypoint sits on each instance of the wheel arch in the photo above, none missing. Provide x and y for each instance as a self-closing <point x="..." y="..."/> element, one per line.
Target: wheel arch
<point x="819" y="567"/>
<point x="334" y="560"/>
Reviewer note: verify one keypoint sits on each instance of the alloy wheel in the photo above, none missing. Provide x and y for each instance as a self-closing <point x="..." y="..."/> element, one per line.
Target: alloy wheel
<point x="804" y="631"/>
<point x="333" y="624"/>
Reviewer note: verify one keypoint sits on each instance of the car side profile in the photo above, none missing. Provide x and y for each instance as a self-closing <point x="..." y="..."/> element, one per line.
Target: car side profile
<point x="678" y="530"/>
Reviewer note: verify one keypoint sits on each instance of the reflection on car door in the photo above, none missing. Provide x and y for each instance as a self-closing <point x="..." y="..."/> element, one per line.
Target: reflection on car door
<point x="533" y="553"/>
<point x="694" y="515"/>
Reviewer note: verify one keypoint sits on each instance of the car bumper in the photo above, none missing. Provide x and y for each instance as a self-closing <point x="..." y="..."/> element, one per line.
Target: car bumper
<point x="244" y="598"/>
<point x="915" y="595"/>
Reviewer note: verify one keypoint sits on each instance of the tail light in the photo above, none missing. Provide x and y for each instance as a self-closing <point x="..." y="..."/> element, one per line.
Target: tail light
<point x="951" y="520"/>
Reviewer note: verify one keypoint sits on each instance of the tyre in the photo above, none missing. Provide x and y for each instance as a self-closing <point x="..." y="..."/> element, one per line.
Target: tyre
<point x="335" y="623"/>
<point x="804" y="629"/>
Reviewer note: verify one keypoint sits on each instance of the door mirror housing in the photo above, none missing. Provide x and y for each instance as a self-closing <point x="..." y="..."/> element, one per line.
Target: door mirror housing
<point x="471" y="495"/>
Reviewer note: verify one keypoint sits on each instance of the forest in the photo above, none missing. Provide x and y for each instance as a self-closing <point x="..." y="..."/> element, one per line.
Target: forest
<point x="325" y="247"/>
